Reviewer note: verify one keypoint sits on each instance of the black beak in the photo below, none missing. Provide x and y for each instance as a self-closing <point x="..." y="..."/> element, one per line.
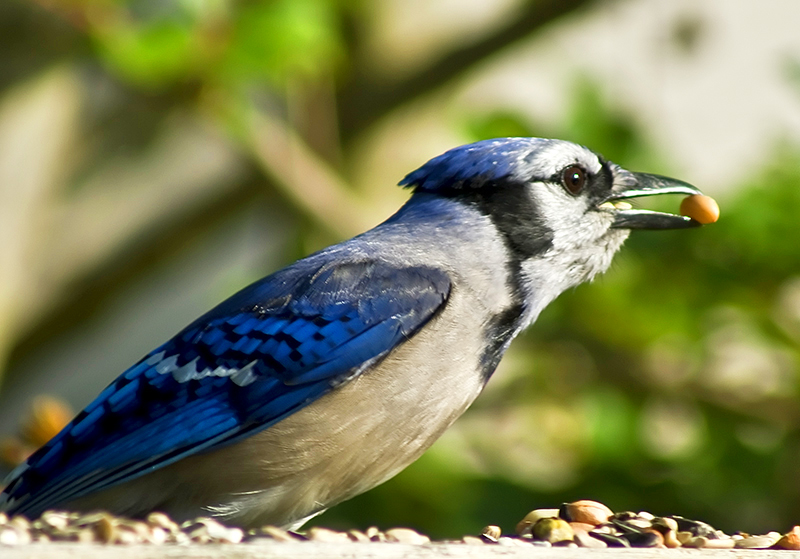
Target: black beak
<point x="634" y="185"/>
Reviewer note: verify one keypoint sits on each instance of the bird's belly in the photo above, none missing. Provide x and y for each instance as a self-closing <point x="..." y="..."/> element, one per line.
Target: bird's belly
<point x="350" y="440"/>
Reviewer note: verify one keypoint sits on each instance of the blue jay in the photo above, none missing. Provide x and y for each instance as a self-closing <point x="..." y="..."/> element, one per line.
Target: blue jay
<point x="330" y="376"/>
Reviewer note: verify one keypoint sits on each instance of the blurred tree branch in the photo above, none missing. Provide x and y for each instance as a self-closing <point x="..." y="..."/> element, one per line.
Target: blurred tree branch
<point x="305" y="178"/>
<point x="36" y="121"/>
<point x="55" y="237"/>
<point x="153" y="243"/>
<point x="364" y="100"/>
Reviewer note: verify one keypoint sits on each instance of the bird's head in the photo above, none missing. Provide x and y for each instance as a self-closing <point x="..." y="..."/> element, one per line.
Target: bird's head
<point x="559" y="206"/>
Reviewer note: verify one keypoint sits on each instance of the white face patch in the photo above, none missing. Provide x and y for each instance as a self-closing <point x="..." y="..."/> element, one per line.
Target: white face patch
<point x="555" y="156"/>
<point x="545" y="277"/>
<point x="568" y="216"/>
<point x="574" y="224"/>
<point x="583" y="243"/>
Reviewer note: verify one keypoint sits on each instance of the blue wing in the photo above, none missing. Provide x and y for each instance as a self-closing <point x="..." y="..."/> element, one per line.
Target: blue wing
<point x="260" y="356"/>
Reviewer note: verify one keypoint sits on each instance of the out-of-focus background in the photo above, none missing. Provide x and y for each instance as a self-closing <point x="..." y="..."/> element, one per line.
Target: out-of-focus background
<point x="157" y="155"/>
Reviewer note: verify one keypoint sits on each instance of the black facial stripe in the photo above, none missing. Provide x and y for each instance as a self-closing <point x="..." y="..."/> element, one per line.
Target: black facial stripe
<point x="602" y="181"/>
<point x="498" y="333"/>
<point x="517" y="219"/>
<point x="521" y="225"/>
<point x="514" y="214"/>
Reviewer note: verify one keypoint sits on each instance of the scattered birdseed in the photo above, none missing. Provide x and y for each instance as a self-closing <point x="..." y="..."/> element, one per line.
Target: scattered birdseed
<point x="491" y="533"/>
<point x="406" y="535"/>
<point x="582" y="523"/>
<point x="643" y="529"/>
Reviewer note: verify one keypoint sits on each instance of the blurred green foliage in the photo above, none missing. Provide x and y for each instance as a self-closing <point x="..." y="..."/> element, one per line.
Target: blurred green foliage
<point x="163" y="44"/>
<point x="670" y="384"/>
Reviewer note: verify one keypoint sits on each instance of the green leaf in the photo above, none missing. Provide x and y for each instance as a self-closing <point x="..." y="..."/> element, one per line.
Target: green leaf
<point x="284" y="39"/>
<point x="153" y="55"/>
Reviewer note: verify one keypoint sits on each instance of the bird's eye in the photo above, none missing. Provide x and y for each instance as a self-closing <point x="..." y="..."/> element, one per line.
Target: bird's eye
<point x="573" y="178"/>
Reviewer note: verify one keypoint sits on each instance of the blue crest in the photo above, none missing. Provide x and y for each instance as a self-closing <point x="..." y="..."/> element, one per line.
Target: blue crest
<point x="472" y="165"/>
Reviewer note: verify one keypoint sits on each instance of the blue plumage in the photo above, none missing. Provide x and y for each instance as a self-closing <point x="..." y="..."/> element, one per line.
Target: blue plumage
<point x="337" y="372"/>
<point x="258" y="357"/>
<point x="473" y="164"/>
